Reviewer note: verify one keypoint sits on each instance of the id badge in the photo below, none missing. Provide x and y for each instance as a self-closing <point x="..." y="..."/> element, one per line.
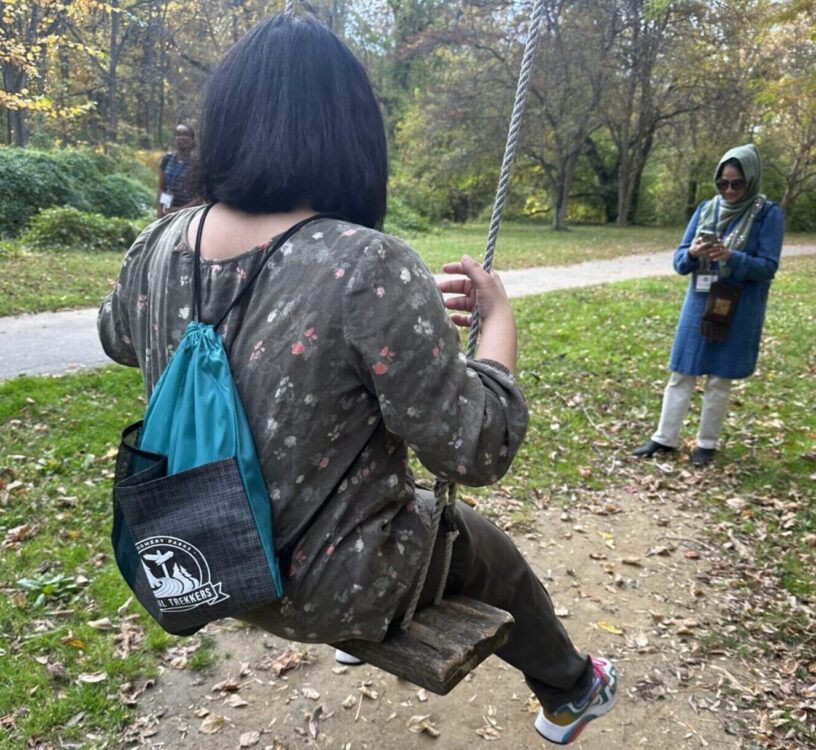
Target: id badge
<point x="703" y="282"/>
<point x="166" y="199"/>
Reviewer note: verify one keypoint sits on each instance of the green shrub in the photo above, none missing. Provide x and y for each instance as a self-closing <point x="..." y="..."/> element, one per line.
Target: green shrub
<point x="802" y="215"/>
<point x="29" y="180"/>
<point x="68" y="227"/>
<point x="402" y="219"/>
<point x="119" y="195"/>
<point x="139" y="164"/>
<point x="32" y="180"/>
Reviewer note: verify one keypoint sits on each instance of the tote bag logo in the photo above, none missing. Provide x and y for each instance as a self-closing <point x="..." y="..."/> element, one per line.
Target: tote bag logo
<point x="178" y="574"/>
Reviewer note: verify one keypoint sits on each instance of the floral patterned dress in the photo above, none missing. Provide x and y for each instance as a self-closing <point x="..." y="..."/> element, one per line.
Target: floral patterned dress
<point x="344" y="357"/>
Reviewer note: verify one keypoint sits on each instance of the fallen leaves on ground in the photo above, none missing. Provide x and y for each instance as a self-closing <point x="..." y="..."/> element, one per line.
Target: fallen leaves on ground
<point x="423" y="725"/>
<point x="230" y="685"/>
<point x="249" y="739"/>
<point x="285" y="661"/>
<point x="212" y="723"/>
<point x="726" y="640"/>
<point x="609" y="627"/>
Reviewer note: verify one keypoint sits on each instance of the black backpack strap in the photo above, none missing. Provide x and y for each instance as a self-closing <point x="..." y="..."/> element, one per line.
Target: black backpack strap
<point x="269" y="253"/>
<point x="197" y="266"/>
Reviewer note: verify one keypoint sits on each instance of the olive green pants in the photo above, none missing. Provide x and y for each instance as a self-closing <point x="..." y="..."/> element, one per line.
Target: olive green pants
<point x="487" y="566"/>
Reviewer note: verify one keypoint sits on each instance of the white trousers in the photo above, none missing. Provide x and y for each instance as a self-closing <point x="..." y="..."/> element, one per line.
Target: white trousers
<point x="676" y="399"/>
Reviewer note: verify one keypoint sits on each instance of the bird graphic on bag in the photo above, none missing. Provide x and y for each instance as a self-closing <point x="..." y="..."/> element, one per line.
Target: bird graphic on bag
<point x="172" y="584"/>
<point x="159" y="558"/>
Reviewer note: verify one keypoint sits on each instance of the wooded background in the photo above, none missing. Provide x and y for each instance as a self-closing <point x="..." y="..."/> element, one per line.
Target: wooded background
<point x="631" y="105"/>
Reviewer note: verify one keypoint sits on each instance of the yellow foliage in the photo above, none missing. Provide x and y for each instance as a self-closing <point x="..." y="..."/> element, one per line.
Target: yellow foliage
<point x="43" y="104"/>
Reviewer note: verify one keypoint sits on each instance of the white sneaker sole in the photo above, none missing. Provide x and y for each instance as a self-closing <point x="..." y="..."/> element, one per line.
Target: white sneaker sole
<point x="341" y="657"/>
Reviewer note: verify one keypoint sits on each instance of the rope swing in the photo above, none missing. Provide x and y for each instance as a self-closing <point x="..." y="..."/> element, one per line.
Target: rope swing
<point x="445" y="491"/>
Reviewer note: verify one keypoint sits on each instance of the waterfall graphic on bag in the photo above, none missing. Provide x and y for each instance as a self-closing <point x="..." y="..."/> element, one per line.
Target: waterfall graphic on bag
<point x="192" y="519"/>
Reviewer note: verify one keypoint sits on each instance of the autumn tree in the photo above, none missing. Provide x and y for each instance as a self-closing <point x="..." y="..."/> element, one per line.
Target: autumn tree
<point x="30" y="31"/>
<point x="787" y="100"/>
<point x="571" y="75"/>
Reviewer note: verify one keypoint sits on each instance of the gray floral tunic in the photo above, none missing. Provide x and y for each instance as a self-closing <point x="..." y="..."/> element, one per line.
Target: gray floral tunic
<point x="344" y="357"/>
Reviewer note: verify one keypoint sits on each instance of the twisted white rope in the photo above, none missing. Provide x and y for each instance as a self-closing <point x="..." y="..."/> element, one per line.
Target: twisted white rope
<point x="444" y="491"/>
<point x="290" y="6"/>
<point x="510" y="151"/>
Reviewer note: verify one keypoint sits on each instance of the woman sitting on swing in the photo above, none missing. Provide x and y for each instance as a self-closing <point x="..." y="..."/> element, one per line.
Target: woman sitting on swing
<point x="344" y="357"/>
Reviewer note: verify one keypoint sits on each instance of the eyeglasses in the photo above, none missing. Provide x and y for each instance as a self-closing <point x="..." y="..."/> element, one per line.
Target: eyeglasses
<point x="723" y="185"/>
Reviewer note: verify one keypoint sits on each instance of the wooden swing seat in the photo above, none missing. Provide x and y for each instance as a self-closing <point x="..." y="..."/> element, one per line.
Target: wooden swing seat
<point x="442" y="644"/>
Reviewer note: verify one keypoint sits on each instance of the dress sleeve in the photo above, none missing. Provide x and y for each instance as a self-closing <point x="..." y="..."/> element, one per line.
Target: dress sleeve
<point x="464" y="419"/>
<point x="762" y="265"/>
<point x="683" y="263"/>
<point x="113" y="322"/>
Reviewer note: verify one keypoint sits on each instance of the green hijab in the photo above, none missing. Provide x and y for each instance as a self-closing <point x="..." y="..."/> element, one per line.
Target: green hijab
<point x="742" y="214"/>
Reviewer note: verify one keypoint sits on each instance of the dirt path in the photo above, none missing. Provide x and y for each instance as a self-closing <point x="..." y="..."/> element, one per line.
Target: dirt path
<point x="632" y="574"/>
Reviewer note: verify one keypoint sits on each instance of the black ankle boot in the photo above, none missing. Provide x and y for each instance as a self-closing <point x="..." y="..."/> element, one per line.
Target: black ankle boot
<point x="702" y="456"/>
<point x="647" y="450"/>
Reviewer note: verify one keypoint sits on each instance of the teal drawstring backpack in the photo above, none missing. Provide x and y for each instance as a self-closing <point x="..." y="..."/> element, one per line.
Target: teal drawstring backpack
<point x="192" y="520"/>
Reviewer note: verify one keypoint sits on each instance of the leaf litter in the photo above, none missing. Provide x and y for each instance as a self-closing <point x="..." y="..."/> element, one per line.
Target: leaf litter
<point x="740" y="657"/>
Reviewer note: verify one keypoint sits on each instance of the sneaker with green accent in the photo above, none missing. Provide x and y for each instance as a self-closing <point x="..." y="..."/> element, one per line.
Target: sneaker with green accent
<point x="563" y="725"/>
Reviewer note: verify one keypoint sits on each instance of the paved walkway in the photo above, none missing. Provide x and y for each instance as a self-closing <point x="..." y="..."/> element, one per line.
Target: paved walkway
<point x="52" y="343"/>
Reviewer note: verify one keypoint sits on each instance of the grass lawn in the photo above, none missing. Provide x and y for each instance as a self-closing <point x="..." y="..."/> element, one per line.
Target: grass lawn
<point x="525" y="245"/>
<point x="593" y="367"/>
<point x="36" y="281"/>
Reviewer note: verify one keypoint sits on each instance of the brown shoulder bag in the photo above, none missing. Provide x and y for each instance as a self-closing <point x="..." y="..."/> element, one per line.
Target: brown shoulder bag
<point x="719" y="309"/>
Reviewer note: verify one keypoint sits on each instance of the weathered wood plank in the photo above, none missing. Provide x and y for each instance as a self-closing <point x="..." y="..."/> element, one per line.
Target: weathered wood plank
<point x="442" y="645"/>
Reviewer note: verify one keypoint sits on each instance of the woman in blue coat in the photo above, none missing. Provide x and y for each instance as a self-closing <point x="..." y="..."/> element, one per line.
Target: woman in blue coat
<point x="731" y="250"/>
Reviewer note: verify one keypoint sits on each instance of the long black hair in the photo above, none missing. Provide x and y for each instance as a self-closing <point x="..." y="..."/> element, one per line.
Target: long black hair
<point x="289" y="117"/>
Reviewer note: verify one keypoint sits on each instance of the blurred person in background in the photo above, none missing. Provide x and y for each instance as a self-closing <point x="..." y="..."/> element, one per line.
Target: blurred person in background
<point x="173" y="171"/>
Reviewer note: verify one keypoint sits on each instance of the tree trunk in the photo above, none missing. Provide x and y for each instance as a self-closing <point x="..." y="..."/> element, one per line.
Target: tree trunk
<point x="787" y="198"/>
<point x="624" y="190"/>
<point x="790" y="193"/>
<point x="624" y="177"/>
<point x="636" y="167"/>
<point x="162" y="77"/>
<point x="9" y="125"/>
<point x="607" y="180"/>
<point x="14" y="81"/>
<point x="629" y="186"/>
<point x="65" y="76"/>
<point x="111" y="119"/>
<point x="634" y="200"/>
<point x="150" y="79"/>
<point x="18" y="127"/>
<point x="559" y="220"/>
<point x="691" y="198"/>
<point x="565" y="172"/>
<point x="624" y="151"/>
